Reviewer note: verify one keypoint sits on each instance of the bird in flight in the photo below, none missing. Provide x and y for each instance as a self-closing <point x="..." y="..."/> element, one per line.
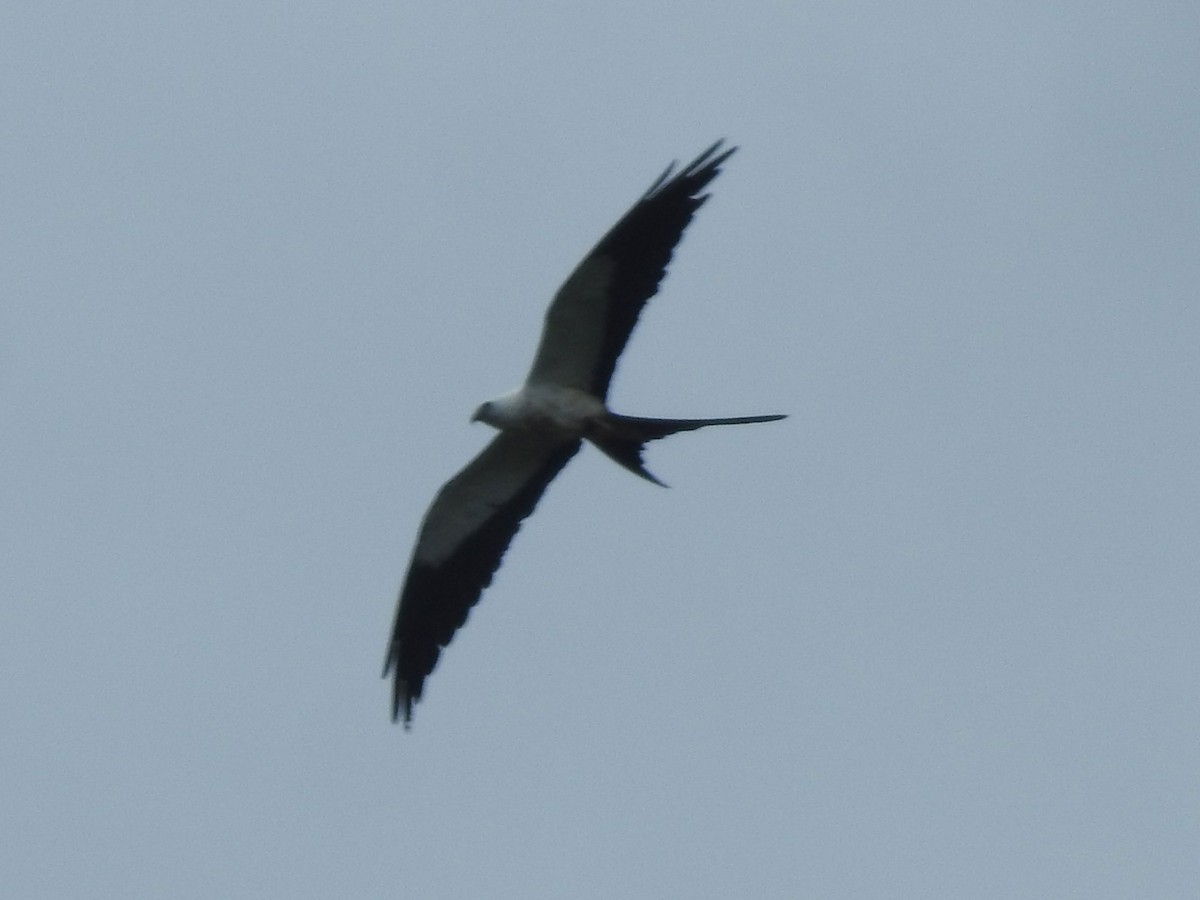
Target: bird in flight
<point x="542" y="425"/>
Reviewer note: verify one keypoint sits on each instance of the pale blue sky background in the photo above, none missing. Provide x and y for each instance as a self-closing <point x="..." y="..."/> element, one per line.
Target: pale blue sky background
<point x="936" y="635"/>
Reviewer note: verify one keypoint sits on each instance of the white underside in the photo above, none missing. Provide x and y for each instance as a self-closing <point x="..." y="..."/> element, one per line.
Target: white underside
<point x="547" y="408"/>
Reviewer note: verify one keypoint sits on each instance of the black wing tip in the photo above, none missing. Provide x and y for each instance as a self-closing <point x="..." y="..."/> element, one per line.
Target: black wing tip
<point x="706" y="166"/>
<point x="408" y="705"/>
<point x="403" y="698"/>
<point x="403" y="694"/>
<point x="706" y="159"/>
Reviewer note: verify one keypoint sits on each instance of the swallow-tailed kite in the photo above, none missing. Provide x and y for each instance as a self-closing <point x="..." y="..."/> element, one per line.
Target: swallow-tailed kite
<point x="542" y="425"/>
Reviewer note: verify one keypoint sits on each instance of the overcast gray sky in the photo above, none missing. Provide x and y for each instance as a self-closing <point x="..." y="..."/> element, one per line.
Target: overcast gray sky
<point x="935" y="635"/>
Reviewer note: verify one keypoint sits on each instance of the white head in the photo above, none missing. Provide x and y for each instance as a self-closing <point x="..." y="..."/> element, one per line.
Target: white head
<point x="503" y="412"/>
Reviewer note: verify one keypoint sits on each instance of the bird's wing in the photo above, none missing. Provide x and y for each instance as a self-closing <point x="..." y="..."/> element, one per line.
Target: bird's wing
<point x="462" y="539"/>
<point x="593" y="313"/>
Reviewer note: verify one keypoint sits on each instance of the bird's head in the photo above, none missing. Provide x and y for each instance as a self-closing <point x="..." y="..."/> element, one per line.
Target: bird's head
<point x="502" y="412"/>
<point x="486" y="413"/>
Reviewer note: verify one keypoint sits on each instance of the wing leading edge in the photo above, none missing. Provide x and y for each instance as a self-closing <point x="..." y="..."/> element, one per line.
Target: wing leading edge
<point x="462" y="539"/>
<point x="594" y="312"/>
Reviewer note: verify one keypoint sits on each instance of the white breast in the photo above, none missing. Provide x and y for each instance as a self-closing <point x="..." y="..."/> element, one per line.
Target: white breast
<point x="550" y="408"/>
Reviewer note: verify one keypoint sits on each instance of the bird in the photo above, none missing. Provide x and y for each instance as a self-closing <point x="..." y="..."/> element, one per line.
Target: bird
<point x="562" y="404"/>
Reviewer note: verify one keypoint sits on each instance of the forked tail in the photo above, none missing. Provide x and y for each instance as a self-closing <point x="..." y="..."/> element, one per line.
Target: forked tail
<point x="622" y="438"/>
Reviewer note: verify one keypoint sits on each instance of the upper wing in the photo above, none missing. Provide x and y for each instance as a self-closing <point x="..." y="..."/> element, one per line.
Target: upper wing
<point x="462" y="539"/>
<point x="593" y="313"/>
